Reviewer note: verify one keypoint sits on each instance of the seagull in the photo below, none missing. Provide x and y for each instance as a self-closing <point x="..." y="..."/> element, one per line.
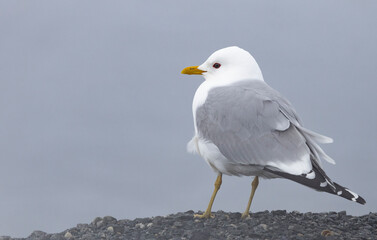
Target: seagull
<point x="243" y="127"/>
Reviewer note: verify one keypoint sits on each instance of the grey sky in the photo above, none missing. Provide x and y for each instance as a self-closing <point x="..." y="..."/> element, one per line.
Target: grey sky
<point x="95" y="115"/>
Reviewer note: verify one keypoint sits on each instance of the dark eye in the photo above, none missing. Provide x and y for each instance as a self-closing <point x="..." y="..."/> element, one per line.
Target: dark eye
<point x="216" y="65"/>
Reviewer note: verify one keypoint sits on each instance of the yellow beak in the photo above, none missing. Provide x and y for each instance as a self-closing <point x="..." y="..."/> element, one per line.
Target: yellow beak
<point x="192" y="70"/>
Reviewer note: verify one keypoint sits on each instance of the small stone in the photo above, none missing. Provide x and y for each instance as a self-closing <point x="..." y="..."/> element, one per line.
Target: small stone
<point x="140" y="225"/>
<point x="119" y="229"/>
<point x="342" y="213"/>
<point x="145" y="220"/>
<point x="157" y="220"/>
<point x="264" y="226"/>
<point x="37" y="235"/>
<point x="56" y="237"/>
<point x="237" y="232"/>
<point x="110" y="229"/>
<point x="99" y="224"/>
<point x="261" y="227"/>
<point x="279" y="212"/>
<point x="178" y="224"/>
<point x="185" y="217"/>
<point x="202" y="235"/>
<point x="97" y="219"/>
<point x="296" y="228"/>
<point x="235" y="215"/>
<point x="327" y="233"/>
<point x="109" y="219"/>
<point x="149" y="225"/>
<point x="82" y="225"/>
<point x="68" y="235"/>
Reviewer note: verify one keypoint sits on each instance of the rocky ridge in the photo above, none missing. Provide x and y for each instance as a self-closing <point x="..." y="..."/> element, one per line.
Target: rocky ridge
<point x="265" y="225"/>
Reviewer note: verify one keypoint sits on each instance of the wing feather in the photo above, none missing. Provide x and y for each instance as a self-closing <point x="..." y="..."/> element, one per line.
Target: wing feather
<point x="251" y="123"/>
<point x="247" y="126"/>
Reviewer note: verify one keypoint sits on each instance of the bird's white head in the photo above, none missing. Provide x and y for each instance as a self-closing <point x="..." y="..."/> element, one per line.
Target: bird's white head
<point x="228" y="64"/>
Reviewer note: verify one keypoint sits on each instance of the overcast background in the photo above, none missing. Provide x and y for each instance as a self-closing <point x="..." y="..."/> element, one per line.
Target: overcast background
<point x="95" y="115"/>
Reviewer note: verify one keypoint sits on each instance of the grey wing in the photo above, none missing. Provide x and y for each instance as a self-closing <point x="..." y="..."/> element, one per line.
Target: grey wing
<point x="248" y="127"/>
<point x="311" y="137"/>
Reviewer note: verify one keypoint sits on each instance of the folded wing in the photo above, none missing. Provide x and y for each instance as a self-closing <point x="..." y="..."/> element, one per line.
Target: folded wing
<point x="251" y="123"/>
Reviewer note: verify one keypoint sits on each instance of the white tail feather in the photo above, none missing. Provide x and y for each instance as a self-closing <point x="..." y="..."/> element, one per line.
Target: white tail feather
<point x="316" y="136"/>
<point x="321" y="153"/>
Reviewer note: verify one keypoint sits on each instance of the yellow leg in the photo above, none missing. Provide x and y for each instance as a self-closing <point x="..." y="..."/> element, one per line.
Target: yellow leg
<point x="254" y="186"/>
<point x="207" y="213"/>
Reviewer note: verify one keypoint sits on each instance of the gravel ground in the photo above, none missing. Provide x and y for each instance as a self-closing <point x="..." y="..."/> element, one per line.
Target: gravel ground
<point x="261" y="225"/>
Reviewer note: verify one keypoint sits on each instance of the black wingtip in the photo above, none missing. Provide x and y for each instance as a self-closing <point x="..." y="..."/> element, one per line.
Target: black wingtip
<point x="348" y="194"/>
<point x="361" y="200"/>
<point x="319" y="183"/>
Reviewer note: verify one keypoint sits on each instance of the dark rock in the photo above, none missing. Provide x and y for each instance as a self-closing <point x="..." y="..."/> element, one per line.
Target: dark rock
<point x="178" y="224"/>
<point x="94" y="222"/>
<point x="279" y="212"/>
<point x="118" y="229"/>
<point x="200" y="235"/>
<point x="342" y="213"/>
<point x="235" y="215"/>
<point x="109" y="219"/>
<point x="37" y="235"/>
<point x="260" y="228"/>
<point x="186" y="217"/>
<point x="57" y="237"/>
<point x="254" y="235"/>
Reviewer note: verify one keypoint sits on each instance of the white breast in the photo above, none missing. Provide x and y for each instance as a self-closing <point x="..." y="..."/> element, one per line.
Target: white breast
<point x="200" y="98"/>
<point x="205" y="149"/>
<point x="201" y="94"/>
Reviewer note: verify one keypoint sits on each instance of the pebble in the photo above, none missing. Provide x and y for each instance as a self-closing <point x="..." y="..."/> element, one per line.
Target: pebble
<point x="94" y="222"/>
<point x="99" y="224"/>
<point x="264" y="226"/>
<point x="37" y="235"/>
<point x="68" y="235"/>
<point x="140" y="225"/>
<point x="278" y="224"/>
<point x="178" y="224"/>
<point x="109" y="219"/>
<point x="110" y="229"/>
